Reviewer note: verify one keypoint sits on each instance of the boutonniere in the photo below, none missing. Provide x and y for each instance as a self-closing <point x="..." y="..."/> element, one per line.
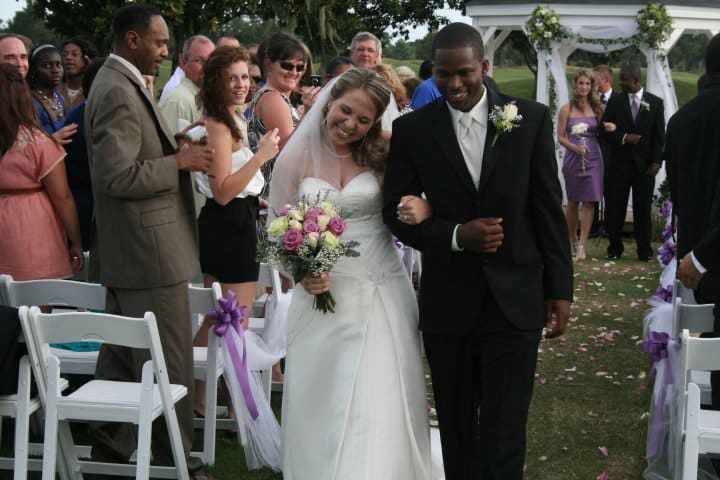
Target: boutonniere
<point x="644" y="105"/>
<point x="505" y="119"/>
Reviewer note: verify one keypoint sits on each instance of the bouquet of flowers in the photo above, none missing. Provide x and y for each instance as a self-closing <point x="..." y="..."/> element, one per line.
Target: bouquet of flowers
<point x="306" y="238"/>
<point x="579" y="130"/>
<point x="654" y="25"/>
<point x="543" y="26"/>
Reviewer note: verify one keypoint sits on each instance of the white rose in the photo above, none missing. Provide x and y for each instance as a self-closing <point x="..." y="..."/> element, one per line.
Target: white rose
<point x="295" y="215"/>
<point x="278" y="226"/>
<point x="540" y="25"/>
<point x="323" y="221"/>
<point x="330" y="241"/>
<point x="553" y="20"/>
<point x="295" y="225"/>
<point x="313" y="238"/>
<point x="651" y="23"/>
<point x="548" y="34"/>
<point x="511" y="112"/>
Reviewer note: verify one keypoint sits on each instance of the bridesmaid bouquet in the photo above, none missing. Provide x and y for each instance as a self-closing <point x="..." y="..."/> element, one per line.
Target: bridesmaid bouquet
<point x="306" y="238"/>
<point x="579" y="130"/>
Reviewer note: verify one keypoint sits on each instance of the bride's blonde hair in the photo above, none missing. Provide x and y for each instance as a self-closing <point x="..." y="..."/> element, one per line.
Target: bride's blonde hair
<point x="372" y="150"/>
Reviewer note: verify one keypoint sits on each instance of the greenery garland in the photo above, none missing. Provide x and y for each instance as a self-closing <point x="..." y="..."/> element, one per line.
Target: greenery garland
<point x="543" y="27"/>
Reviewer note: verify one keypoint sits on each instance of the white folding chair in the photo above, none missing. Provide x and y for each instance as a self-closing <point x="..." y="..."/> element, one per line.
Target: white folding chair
<point x="208" y="368"/>
<point x="688" y="315"/>
<point x="104" y="400"/>
<point x="64" y="294"/>
<point x="698" y="430"/>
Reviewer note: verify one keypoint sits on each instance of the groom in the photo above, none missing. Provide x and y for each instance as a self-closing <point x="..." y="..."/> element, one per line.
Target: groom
<point x="497" y="256"/>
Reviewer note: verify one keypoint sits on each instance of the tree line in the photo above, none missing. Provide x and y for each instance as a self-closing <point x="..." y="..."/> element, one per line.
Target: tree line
<point x="326" y="26"/>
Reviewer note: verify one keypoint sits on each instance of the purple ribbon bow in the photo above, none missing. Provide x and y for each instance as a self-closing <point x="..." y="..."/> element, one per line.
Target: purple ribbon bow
<point x="229" y="315"/>
<point x="656" y="346"/>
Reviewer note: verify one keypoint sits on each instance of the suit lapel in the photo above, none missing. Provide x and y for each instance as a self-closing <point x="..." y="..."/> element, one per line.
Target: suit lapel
<point x="490" y="153"/>
<point x="444" y="133"/>
<point x="145" y="94"/>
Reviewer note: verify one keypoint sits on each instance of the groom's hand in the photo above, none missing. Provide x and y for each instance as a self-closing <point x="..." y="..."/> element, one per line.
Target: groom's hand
<point x="482" y="235"/>
<point x="557" y="315"/>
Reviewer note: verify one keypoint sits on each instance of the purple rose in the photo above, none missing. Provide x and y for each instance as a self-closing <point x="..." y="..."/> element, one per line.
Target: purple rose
<point x="312" y="214"/>
<point x="292" y="239"/>
<point x="336" y="226"/>
<point x="310" y="225"/>
<point x="283" y="212"/>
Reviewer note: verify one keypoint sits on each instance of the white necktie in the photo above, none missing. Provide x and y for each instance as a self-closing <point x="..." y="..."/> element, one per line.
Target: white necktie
<point x="471" y="146"/>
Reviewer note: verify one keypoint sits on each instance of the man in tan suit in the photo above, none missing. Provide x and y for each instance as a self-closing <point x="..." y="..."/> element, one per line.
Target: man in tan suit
<point x="145" y="230"/>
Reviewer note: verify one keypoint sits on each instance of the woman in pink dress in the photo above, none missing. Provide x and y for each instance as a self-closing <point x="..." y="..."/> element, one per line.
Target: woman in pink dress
<point x="38" y="221"/>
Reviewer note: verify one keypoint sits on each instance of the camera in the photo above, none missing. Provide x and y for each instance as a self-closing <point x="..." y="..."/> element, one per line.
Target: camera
<point x="315" y="80"/>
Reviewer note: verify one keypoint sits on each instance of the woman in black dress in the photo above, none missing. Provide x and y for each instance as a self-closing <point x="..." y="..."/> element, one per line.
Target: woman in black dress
<point x="227" y="222"/>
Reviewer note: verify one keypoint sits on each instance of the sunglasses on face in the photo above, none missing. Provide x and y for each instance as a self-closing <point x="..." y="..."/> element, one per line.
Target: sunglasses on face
<point x="288" y="67"/>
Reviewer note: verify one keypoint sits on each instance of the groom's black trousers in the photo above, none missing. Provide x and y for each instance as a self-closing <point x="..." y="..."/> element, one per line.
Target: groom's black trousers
<point x="483" y="382"/>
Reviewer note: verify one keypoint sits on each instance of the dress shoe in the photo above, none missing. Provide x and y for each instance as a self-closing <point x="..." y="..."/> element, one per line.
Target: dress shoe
<point x="644" y="259"/>
<point x="201" y="476"/>
<point x="611" y="256"/>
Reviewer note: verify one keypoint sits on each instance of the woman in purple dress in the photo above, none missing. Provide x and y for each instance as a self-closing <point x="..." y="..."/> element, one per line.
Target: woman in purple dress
<point x="578" y="128"/>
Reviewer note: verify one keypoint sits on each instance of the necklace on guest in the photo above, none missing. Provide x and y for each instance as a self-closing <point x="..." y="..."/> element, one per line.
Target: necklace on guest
<point x="73" y="93"/>
<point x="57" y="106"/>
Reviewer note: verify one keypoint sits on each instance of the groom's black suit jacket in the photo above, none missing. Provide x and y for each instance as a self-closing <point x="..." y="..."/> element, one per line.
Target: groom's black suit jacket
<point x="519" y="182"/>
<point x="650" y="125"/>
<point x="692" y="156"/>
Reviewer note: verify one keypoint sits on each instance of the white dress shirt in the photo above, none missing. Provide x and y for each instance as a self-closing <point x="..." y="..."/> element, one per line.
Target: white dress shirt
<point x="133" y="69"/>
<point x="472" y="146"/>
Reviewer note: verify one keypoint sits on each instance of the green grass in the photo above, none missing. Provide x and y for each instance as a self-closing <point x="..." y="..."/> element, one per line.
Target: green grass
<point x="591" y="389"/>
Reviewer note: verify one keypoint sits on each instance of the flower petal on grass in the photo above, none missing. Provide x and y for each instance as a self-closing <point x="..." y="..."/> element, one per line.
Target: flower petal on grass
<point x="604" y="451"/>
<point x="602" y="476"/>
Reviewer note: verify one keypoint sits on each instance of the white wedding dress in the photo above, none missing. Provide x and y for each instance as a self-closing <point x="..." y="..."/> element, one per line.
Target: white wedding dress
<point x="354" y="403"/>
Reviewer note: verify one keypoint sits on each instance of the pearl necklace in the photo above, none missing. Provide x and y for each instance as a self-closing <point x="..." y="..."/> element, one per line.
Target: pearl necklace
<point x="331" y="149"/>
<point x="57" y="107"/>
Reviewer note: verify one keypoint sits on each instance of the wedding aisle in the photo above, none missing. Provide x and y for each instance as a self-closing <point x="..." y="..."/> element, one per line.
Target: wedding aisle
<point x="588" y="417"/>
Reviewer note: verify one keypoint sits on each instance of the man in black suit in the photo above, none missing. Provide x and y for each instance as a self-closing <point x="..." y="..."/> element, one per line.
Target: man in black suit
<point x="692" y="155"/>
<point x="497" y="264"/>
<point x="636" y="146"/>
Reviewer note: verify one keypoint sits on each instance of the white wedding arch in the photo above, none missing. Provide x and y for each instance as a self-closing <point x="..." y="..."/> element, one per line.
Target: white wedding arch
<point x="590" y="21"/>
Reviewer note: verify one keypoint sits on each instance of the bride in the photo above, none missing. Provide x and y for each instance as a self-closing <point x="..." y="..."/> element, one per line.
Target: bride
<point x="354" y="403"/>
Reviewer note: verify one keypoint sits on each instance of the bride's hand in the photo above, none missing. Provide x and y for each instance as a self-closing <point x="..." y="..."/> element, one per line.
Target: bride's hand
<point x="413" y="210"/>
<point x="316" y="285"/>
<point x="609" y="126"/>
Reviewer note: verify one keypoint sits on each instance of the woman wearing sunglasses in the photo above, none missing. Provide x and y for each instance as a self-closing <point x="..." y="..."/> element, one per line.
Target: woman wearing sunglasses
<point x="284" y="60"/>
